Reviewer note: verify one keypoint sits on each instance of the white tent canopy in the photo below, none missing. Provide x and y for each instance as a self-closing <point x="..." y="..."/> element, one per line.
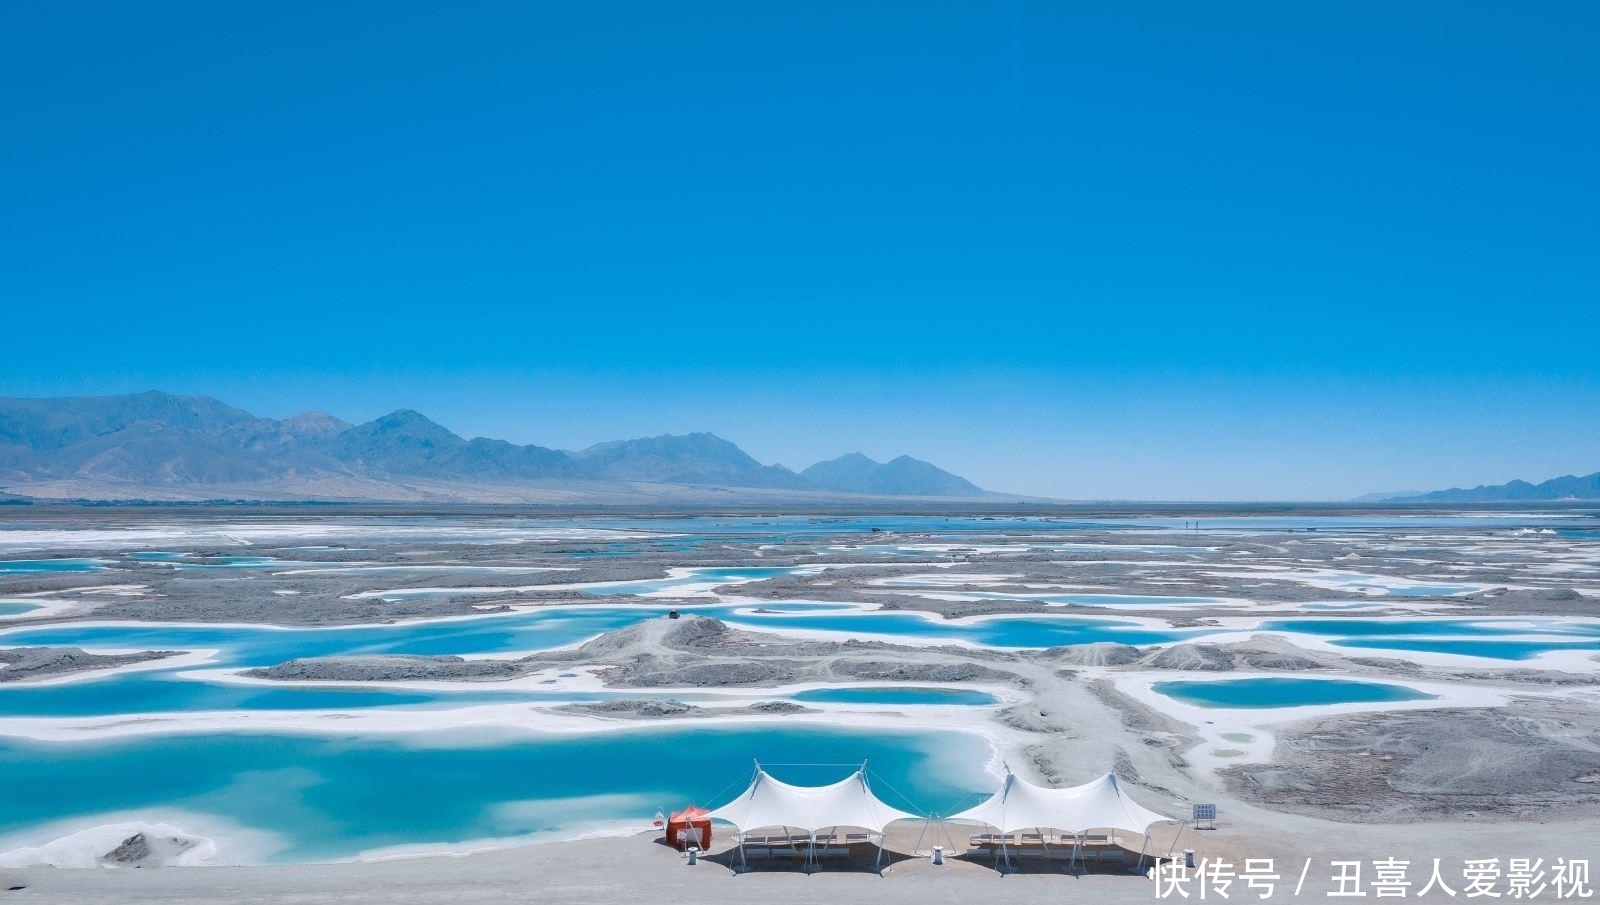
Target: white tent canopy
<point x="1098" y="804"/>
<point x="848" y="802"/>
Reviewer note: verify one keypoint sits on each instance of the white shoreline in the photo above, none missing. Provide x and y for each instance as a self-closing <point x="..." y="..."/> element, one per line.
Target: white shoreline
<point x="242" y="534"/>
<point x="518" y="717"/>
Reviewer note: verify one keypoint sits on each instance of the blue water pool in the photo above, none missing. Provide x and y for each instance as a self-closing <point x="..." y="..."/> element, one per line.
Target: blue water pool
<point x="1109" y="600"/>
<point x="38" y="566"/>
<point x="255" y="645"/>
<point x="239" y="647"/>
<point x="150" y="692"/>
<point x="1285" y="692"/>
<point x="248" y="563"/>
<point x="164" y="691"/>
<point x="690" y="580"/>
<point x="1469" y="647"/>
<point x="1503" y="639"/>
<point x="1034" y="631"/>
<point x="335" y="797"/>
<point x="1455" y="628"/>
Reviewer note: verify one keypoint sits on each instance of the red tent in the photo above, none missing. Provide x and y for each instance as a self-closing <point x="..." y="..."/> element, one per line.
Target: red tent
<point x="690" y="826"/>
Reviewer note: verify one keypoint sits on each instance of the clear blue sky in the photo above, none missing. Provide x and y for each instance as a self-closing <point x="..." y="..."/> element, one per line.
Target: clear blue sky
<point x="1128" y="250"/>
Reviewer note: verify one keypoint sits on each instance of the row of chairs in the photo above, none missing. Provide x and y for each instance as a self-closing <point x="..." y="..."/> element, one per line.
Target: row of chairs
<point x="1043" y="838"/>
<point x="822" y="846"/>
<point x="803" y="840"/>
<point x="786" y="851"/>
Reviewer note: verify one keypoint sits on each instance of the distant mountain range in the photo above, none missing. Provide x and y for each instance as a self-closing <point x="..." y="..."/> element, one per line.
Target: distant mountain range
<point x="164" y="447"/>
<point x="855" y="473"/>
<point x="1569" y="487"/>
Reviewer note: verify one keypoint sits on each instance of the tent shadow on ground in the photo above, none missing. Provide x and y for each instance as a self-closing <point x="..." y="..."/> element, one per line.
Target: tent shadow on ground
<point x="1060" y="863"/>
<point x="863" y="858"/>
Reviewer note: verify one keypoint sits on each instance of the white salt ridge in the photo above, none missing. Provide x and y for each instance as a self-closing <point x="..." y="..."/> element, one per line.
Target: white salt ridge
<point x="176" y="839"/>
<point x="244" y="535"/>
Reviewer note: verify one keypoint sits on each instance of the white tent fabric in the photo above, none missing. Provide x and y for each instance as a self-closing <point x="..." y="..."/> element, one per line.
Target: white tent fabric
<point x="849" y="802"/>
<point x="1098" y="804"/>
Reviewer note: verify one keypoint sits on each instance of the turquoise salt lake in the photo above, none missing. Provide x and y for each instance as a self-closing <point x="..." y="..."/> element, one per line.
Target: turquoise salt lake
<point x="237" y="647"/>
<point x="1498" y="639"/>
<point x="325" y="798"/>
<point x="1285" y="692"/>
<point x="317" y="797"/>
<point x="159" y="688"/>
<point x="41" y="566"/>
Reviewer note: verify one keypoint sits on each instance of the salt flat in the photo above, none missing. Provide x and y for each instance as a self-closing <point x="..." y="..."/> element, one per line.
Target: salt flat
<point x="530" y="632"/>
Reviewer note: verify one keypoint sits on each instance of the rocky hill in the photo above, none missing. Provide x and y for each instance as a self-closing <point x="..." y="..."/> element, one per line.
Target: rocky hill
<point x="160" y="446"/>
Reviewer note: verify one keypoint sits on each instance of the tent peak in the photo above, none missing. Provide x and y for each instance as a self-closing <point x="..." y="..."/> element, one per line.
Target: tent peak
<point x="1098" y="803"/>
<point x="769" y="801"/>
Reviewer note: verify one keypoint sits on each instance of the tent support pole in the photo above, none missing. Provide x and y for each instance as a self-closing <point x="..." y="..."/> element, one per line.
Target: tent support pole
<point x="1145" y="845"/>
<point x="1077" y="848"/>
<point x="1182" y="824"/>
<point x="945" y="828"/>
<point x="917" y="849"/>
<point x="805" y="854"/>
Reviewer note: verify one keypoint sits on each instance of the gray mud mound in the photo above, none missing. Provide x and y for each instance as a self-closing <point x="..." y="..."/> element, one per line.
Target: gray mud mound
<point x="1533" y="601"/>
<point x="889" y="670"/>
<point x="778" y="707"/>
<point x="647" y="709"/>
<point x="1101" y="653"/>
<point x="140" y="850"/>
<point x="1206" y="657"/>
<point x="1534" y="760"/>
<point x="1273" y="661"/>
<point x="1271" y="653"/>
<point x="388" y="668"/>
<point x="133" y="849"/>
<point x="663" y="653"/>
<point x="19" y="664"/>
<point x="655" y="709"/>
